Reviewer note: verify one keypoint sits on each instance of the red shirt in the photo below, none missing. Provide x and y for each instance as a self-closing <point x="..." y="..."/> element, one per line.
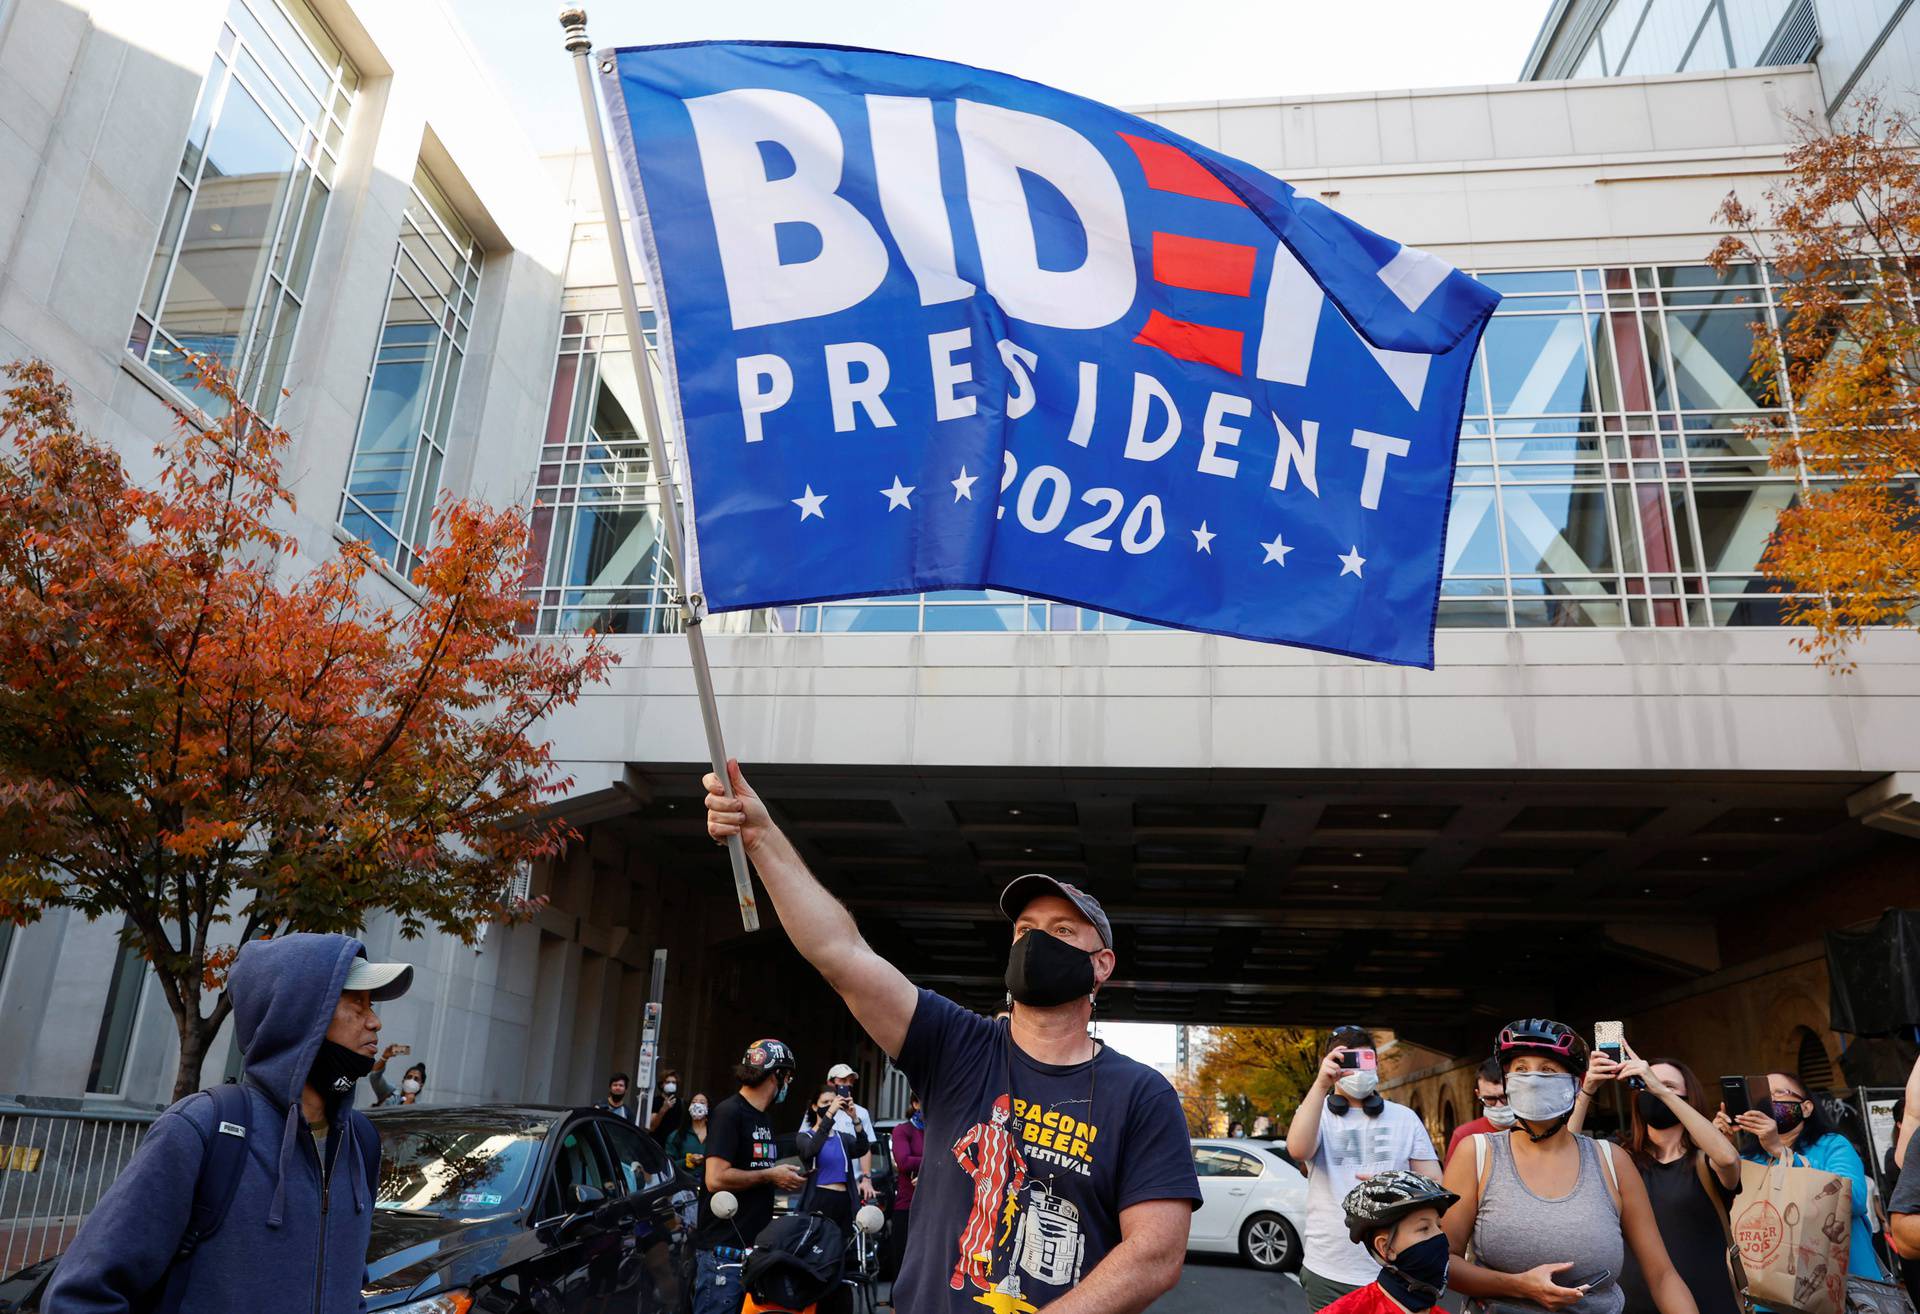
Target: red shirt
<point x="1478" y="1127"/>
<point x="1369" y="1299"/>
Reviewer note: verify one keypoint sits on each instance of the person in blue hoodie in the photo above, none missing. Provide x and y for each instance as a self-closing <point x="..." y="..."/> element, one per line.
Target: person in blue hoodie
<point x="303" y="1208"/>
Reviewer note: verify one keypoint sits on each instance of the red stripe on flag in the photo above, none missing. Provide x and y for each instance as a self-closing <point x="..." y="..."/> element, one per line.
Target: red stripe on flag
<point x="1170" y="169"/>
<point x="1201" y="264"/>
<point x="1217" y="347"/>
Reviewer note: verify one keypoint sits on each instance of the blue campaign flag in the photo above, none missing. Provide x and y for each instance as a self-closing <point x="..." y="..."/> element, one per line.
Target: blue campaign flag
<point x="932" y="327"/>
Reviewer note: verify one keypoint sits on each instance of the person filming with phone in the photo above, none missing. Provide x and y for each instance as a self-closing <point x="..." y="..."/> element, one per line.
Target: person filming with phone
<point x="1792" y="1128"/>
<point x="412" y="1082"/>
<point x="830" y="1156"/>
<point x="1345" y="1131"/>
<point x="1550" y="1214"/>
<point x="1691" y="1171"/>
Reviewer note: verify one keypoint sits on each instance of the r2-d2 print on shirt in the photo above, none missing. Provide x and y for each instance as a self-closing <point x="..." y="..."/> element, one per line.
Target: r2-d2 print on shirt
<point x="1048" y="1246"/>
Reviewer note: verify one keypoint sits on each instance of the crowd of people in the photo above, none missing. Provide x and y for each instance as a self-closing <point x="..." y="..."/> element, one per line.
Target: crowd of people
<point x="1529" y="1213"/>
<point x="1042" y="1166"/>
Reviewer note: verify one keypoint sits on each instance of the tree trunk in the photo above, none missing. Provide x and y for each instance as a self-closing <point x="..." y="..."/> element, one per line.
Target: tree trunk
<point x="196" y="1038"/>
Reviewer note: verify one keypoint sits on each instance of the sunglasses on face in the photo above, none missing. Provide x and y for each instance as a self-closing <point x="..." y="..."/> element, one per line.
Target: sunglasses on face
<point x="1493" y="1101"/>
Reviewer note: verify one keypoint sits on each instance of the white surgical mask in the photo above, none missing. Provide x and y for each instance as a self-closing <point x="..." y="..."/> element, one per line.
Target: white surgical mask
<point x="411" y="1086"/>
<point x="1501" y="1115"/>
<point x="698" y="1110"/>
<point x="1359" y="1085"/>
<point x="1540" y="1096"/>
<point x="670" y="1087"/>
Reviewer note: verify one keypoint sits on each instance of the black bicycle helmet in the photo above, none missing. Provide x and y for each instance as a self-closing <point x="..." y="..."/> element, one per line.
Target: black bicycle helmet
<point x="1539" y="1035"/>
<point x="764" y="1056"/>
<point x="1385" y="1198"/>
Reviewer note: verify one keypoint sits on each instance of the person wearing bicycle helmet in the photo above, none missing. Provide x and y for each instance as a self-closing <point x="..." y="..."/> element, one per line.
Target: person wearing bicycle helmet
<point x="1396" y="1216"/>
<point x="742" y="1157"/>
<point x="1549" y="1213"/>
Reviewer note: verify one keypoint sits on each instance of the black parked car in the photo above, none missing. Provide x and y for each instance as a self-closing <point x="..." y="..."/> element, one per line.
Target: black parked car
<point x="507" y="1209"/>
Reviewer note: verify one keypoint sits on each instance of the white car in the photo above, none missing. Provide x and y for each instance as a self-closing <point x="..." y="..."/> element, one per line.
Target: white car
<point x="1254" y="1203"/>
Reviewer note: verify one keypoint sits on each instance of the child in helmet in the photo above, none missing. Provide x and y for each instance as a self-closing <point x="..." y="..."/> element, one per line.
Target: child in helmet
<point x="1396" y="1216"/>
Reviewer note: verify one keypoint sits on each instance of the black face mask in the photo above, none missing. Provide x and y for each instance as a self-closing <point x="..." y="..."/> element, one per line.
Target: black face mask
<point x="1044" y="971"/>
<point x="336" y="1068"/>
<point x="1417" y="1276"/>
<point x="1787" y="1115"/>
<point x="1654" y="1112"/>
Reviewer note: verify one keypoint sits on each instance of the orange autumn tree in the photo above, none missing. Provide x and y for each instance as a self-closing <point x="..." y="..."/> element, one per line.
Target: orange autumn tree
<point x="202" y="739"/>
<point x="1248" y="1072"/>
<point x="1842" y="231"/>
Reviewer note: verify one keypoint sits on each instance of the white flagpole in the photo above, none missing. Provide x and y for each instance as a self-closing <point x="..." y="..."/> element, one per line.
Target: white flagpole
<point x="573" y="21"/>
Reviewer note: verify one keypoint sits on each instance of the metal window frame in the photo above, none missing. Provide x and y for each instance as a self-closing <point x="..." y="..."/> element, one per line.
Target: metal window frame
<point x="449" y="340"/>
<point x="271" y="291"/>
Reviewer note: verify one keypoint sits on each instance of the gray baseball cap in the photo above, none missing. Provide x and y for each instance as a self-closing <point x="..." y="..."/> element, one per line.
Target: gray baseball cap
<point x="1025" y="889"/>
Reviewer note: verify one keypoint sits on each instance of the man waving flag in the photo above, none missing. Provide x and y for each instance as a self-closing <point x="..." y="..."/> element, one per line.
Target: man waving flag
<point x="933" y="327"/>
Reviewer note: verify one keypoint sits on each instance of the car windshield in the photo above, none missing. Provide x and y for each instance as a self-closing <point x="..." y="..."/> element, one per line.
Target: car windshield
<point x="452" y="1165"/>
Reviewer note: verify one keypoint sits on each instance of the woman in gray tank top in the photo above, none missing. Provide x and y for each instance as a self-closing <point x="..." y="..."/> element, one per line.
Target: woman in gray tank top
<point x="1549" y="1214"/>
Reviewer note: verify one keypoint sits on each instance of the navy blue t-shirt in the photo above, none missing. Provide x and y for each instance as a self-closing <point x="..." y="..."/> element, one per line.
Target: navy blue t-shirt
<point x="1028" y="1165"/>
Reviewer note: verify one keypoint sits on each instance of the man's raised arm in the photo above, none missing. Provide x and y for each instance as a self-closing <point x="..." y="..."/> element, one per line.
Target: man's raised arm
<point x="881" y="999"/>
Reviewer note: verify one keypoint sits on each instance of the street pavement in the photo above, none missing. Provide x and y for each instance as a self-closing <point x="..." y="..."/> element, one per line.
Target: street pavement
<point x="1213" y="1284"/>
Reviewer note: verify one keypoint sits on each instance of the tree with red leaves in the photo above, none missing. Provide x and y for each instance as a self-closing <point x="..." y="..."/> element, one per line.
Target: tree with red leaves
<point x="216" y="746"/>
<point x="1841" y="229"/>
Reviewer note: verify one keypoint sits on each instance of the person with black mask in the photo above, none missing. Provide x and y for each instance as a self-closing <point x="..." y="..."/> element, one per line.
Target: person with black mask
<point x="1396" y="1218"/>
<point x="1055" y="1169"/>
<point x="1345" y="1131"/>
<point x="1794" y="1129"/>
<point x="1550" y="1215"/>
<point x="303" y="1191"/>
<point x="1691" y="1171"/>
<point x="616" y="1101"/>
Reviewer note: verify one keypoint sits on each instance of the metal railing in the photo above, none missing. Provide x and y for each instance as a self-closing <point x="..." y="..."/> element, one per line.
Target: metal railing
<point x="55" y="1164"/>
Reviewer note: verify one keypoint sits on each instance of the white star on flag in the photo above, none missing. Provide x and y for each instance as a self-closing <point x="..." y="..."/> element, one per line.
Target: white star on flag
<point x="810" y="503"/>
<point x="897" y="495"/>
<point x="1203" y="539"/>
<point x="1276" y="551"/>
<point x="1351" y="561"/>
<point x="963" y="486"/>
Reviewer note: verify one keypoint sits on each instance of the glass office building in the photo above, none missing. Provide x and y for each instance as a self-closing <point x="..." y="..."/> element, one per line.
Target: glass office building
<point x="1607" y="474"/>
<point x="1859" y="46"/>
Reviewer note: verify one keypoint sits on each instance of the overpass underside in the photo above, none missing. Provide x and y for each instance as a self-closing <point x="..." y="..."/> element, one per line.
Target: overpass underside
<point x="1438" y="903"/>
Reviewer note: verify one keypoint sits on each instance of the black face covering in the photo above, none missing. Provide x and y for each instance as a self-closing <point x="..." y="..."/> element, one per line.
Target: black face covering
<point x="1417" y="1277"/>
<point x="1787" y="1115"/>
<point x="1654" y="1112"/>
<point x="1044" y="971"/>
<point x="336" y="1068"/>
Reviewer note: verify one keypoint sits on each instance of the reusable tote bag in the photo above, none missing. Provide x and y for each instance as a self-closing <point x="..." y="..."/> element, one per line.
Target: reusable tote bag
<point x="1793" y="1226"/>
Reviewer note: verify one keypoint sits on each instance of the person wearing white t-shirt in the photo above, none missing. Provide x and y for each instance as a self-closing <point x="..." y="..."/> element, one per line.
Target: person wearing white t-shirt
<point x="1345" y="1131"/>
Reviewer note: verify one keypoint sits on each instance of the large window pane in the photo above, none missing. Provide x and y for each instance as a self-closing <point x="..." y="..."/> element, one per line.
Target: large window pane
<point x="115" y="1037"/>
<point x="1556" y="530"/>
<point x="235" y="248"/>
<point x="1537" y="364"/>
<point x="223" y="258"/>
<point x="1735" y="521"/>
<point x="409" y="411"/>
<point x="1712" y="361"/>
<point x="1473" y="534"/>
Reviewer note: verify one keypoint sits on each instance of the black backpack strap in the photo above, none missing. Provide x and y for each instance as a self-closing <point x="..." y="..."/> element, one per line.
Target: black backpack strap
<point x="221" y="1162"/>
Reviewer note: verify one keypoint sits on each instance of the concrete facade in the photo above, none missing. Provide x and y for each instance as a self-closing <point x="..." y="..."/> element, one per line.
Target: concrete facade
<point x="94" y="102"/>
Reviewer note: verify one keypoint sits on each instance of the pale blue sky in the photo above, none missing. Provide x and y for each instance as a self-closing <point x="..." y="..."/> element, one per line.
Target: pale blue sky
<point x="1124" y="52"/>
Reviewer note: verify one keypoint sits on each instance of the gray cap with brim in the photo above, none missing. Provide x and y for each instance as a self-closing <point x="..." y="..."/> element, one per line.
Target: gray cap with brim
<point x="1025" y="889"/>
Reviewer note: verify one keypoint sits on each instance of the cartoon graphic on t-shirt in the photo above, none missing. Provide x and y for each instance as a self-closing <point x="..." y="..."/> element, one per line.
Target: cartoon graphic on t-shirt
<point x="988" y="1153"/>
<point x="1049" y="1246"/>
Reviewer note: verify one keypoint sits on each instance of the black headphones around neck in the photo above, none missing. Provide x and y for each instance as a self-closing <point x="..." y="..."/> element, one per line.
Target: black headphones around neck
<point x="1338" y="1104"/>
